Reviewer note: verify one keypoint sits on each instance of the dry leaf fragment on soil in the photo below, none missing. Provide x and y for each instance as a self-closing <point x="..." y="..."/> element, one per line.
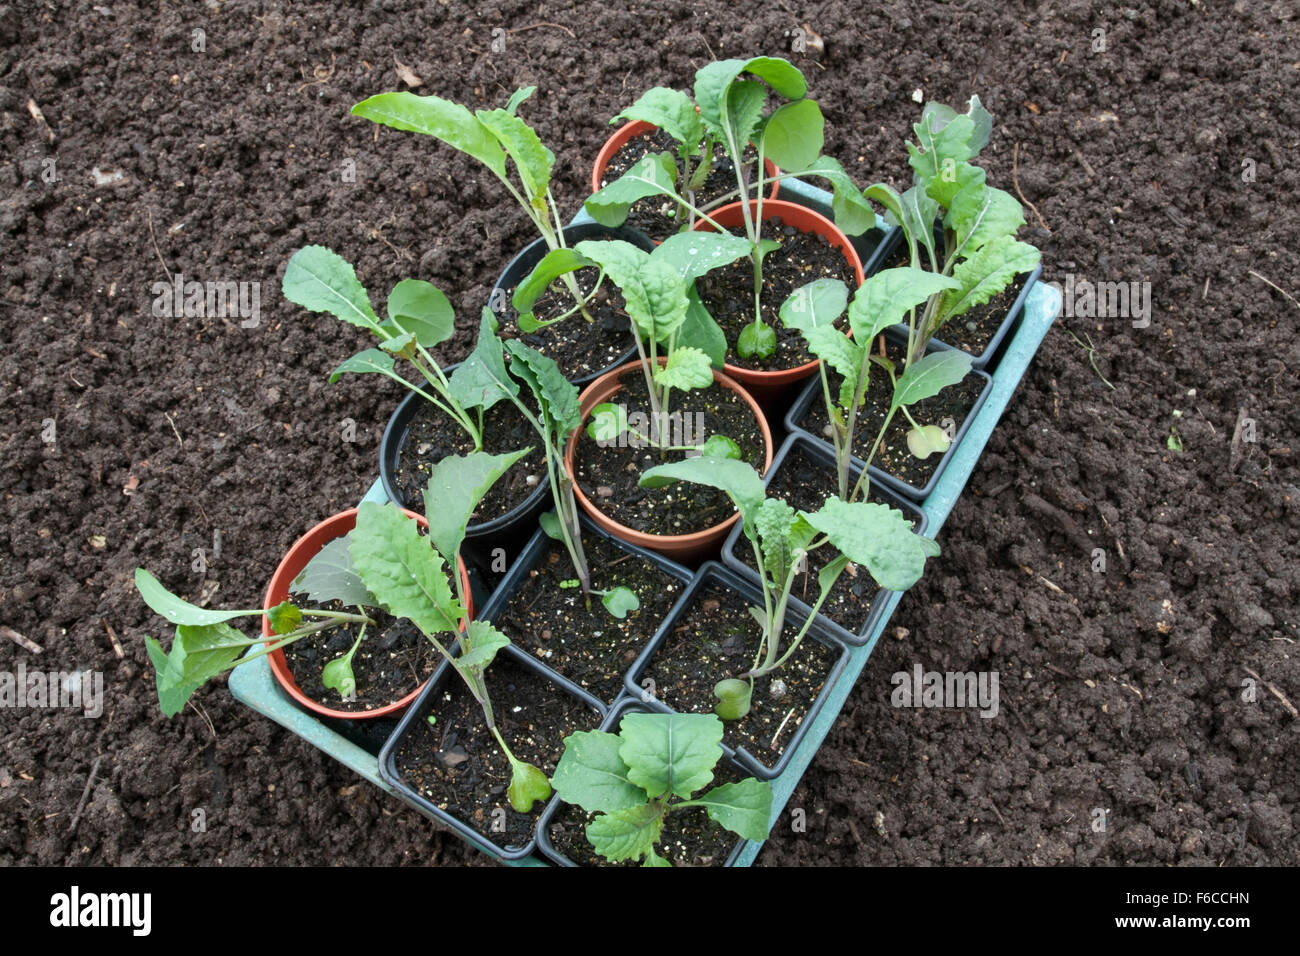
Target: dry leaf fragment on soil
<point x="406" y="75"/>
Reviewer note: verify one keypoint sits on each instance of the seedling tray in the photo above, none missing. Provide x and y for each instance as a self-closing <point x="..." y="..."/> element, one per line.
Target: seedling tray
<point x="253" y="685"/>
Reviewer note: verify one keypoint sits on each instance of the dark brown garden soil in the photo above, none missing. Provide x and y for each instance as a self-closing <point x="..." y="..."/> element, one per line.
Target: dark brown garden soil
<point x="805" y="484"/>
<point x="728" y="292"/>
<point x="716" y="637"/>
<point x="609" y="475"/>
<point x="949" y="408"/>
<point x="457" y="764"/>
<point x="655" y="215"/>
<point x="1120" y="691"/>
<point x="588" y="645"/>
<point x="432" y="436"/>
<point x="394" y="659"/>
<point x="580" y="348"/>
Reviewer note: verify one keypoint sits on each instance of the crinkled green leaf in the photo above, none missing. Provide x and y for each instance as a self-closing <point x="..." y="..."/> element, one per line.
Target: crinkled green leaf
<point x="949" y="145"/>
<point x="693" y="254"/>
<point x="626" y="834"/>
<point x="323" y="281"/>
<point x="533" y="161"/>
<point x="284" y="617"/>
<point x="670" y="753"/>
<point x="670" y="110"/>
<point x="998" y="215"/>
<point x="402" y="570"/>
<point x="745" y="101"/>
<point x="876" y="537"/>
<point x="713" y="80"/>
<point x="885" y="298"/>
<point x="480" y="646"/>
<point x="654" y="294"/>
<point x="199" y="653"/>
<point x="442" y="119"/>
<point x="592" y="775"/>
<point x="743" y="807"/>
<point x="686" y="368"/>
<point x="482" y="380"/>
<point x="556" y="396"/>
<point x="986" y="273"/>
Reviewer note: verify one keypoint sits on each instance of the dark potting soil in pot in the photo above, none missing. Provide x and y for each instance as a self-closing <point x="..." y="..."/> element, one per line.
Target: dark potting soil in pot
<point x="588" y="645"/>
<point x="689" y="837"/>
<point x="394" y="659"/>
<point x="432" y="436"/>
<point x="457" y="764"/>
<point x="805" y="485"/>
<point x="728" y="292"/>
<point x="954" y="402"/>
<point x="655" y="215"/>
<point x="716" y="637"/>
<point x="608" y="475"/>
<point x="580" y="348"/>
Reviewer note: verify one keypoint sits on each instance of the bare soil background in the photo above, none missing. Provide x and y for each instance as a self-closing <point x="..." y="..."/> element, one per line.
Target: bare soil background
<point x="1120" y="690"/>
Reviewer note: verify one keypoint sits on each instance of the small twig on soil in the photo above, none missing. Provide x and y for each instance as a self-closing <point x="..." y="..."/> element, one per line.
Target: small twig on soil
<point x="1015" y="180"/>
<point x="534" y="26"/>
<point x="167" y="271"/>
<point x="39" y="117"/>
<point x="1206" y="290"/>
<point x="998" y="812"/>
<point x="85" y="794"/>
<point x="705" y="40"/>
<point x="174" y="431"/>
<point x="21" y="641"/>
<point x="117" y="645"/>
<point x="777" y="735"/>
<point x="1291" y="708"/>
<point x="1236" y="454"/>
<point x="1279" y="288"/>
<point x="206" y="719"/>
<point x="1092" y="174"/>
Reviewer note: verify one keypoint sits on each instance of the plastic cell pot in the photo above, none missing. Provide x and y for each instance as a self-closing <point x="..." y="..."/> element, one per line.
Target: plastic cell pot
<point x="547" y="848"/>
<point x="794" y="422"/>
<point x="684" y="548"/>
<point x="522" y="265"/>
<point x="421" y="710"/>
<point x="710" y="572"/>
<point x="768" y="385"/>
<point x="629" y="131"/>
<point x="291" y="565"/>
<point x="507" y="530"/>
<point x="823" y="458"/>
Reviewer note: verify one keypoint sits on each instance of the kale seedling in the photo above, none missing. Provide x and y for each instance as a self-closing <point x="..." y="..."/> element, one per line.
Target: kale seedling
<point x="652" y="767"/>
<point x="871" y="535"/>
<point x="731" y="96"/>
<point x="419" y="318"/>
<point x="979" y="249"/>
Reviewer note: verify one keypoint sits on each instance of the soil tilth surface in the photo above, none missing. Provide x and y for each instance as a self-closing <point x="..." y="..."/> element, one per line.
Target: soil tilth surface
<point x="135" y="434"/>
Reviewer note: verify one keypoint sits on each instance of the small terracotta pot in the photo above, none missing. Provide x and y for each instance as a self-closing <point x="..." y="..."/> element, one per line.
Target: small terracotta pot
<point x="684" y="548"/>
<point x="767" y="385"/>
<point x="628" y="131"/>
<point x="291" y="565"/>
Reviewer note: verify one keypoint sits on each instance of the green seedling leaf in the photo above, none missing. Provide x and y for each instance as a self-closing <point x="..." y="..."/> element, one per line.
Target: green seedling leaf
<point x="929" y="375"/>
<point x="331" y="576"/>
<point x="670" y="753"/>
<point x="654" y="859"/>
<point x="714" y="79"/>
<point x="619" y="602"/>
<point x="626" y="834"/>
<point x="780" y="535"/>
<point x="284" y="617"/>
<point x="686" y="368"/>
<point x="398" y="344"/>
<point x="337" y="674"/>
<point x="849" y="207"/>
<point x="744" y="807"/>
<point x="439" y="118"/>
<point x="693" y="254"/>
<point x="554" y="264"/>
<point x="737" y="478"/>
<point x="700" y="331"/>
<point x="885" y="298"/>
<point x="756" y="340"/>
<point x="745" y="100"/>
<point x="533" y="161"/>
<point x="955" y="180"/>
<point x="199" y="653"/>
<point x="370" y="361"/>
<point x="570" y="583"/>
<point x="982" y="126"/>
<point x="528" y="785"/>
<point x="986" y="273"/>
<point x="924" y="441"/>
<point x="402" y="570"/>
<point x="671" y="110"/>
<point x="323" y="281"/>
<point x="941" y="148"/>
<point x="177" y="610"/>
<point x="481" y="643"/>
<point x="592" y="775"/>
<point x="550" y="523"/>
<point x="720" y="446"/>
<point x="980" y="215"/>
<point x="556" y="396"/>
<point x="654" y="295"/>
<point x="482" y="380"/>
<point x="422" y="310"/>
<point x="876" y="537"/>
<point x="653" y="175"/>
<point x="815" y="305"/>
<point x="518" y="97"/>
<point x="456" y="486"/>
<point x="793" y="134"/>
<point x="608" y="422"/>
<point x="919" y="212"/>
<point x="733" y="698"/>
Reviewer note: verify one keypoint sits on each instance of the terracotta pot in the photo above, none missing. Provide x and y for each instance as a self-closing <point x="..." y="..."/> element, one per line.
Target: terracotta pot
<point x="684" y="548"/>
<point x="291" y="565"/>
<point x="767" y="385"/>
<point x="628" y="131"/>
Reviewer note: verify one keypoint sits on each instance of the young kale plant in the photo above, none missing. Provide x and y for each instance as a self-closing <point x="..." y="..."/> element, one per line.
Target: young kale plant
<point x="419" y="318"/>
<point x="653" y="767"/>
<point x="870" y="535"/>
<point x="979" y="248"/>
<point x="492" y="137"/>
<point x="407" y="573"/>
<point x="731" y="96"/>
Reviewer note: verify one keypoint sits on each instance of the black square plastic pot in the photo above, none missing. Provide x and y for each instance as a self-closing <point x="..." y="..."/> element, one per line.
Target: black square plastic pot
<point x="521" y="265"/>
<point x="420" y="711"/>
<point x="532" y="553"/>
<point x="624" y="705"/>
<point x="993" y="350"/>
<point x="823" y="454"/>
<point x="813" y="393"/>
<point x="819" y="631"/>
